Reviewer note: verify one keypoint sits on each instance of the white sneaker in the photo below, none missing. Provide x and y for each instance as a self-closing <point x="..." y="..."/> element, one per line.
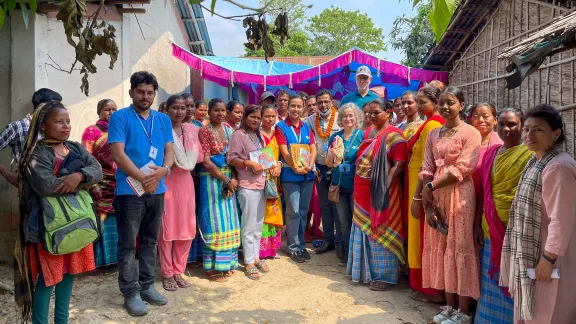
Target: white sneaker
<point x="444" y="314"/>
<point x="458" y="318"/>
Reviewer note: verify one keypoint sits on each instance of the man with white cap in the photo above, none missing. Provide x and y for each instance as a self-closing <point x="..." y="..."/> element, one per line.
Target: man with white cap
<point x="362" y="95"/>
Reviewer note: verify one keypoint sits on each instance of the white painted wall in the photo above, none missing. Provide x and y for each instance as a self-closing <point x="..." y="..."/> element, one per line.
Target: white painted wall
<point x="214" y="90"/>
<point x="148" y="50"/>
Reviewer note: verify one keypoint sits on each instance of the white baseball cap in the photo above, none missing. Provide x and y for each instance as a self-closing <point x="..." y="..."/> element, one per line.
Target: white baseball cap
<point x="363" y="70"/>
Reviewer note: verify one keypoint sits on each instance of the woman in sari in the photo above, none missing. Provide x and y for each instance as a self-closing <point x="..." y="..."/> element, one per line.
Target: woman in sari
<point x="235" y="110"/>
<point x="399" y="112"/>
<point x="377" y="235"/>
<point x="95" y="140"/>
<point x="367" y="123"/>
<point x="501" y="169"/>
<point x="218" y="209"/>
<point x="449" y="260"/>
<point x="483" y="118"/>
<point x="427" y="99"/>
<point x="272" y="230"/>
<point x="541" y="231"/>
<point x="410" y="109"/>
<point x="200" y="113"/>
<point x="179" y="218"/>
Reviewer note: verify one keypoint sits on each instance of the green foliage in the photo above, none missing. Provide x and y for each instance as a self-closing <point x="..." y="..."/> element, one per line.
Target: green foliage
<point x="335" y="31"/>
<point x="441" y="15"/>
<point x="8" y="6"/>
<point x="296" y="10"/>
<point x="297" y="45"/>
<point x="413" y="35"/>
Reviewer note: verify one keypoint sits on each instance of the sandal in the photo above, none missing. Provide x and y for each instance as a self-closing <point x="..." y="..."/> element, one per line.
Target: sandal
<point x="380" y="286"/>
<point x="196" y="264"/>
<point x="181" y="282"/>
<point x="216" y="276"/>
<point x="169" y="284"/>
<point x="277" y="256"/>
<point x="261" y="265"/>
<point x="420" y="297"/>
<point x="230" y="273"/>
<point x="253" y="273"/>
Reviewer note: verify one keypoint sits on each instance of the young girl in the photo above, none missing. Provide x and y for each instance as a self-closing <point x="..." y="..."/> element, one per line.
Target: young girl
<point x="200" y="114"/>
<point x="449" y="260"/>
<point x="38" y="271"/>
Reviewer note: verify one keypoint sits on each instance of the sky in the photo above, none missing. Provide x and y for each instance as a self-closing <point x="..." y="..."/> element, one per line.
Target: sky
<point x="228" y="36"/>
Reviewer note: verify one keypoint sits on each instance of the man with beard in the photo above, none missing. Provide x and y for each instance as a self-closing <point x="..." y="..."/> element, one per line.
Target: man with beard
<point x="282" y="105"/>
<point x="311" y="105"/>
<point x="324" y="124"/>
<point x="362" y="95"/>
<point x="142" y="148"/>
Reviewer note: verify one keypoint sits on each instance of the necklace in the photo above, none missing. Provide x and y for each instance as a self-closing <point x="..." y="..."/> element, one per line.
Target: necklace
<point x="218" y="138"/>
<point x="325" y="134"/>
<point x="452" y="130"/>
<point x="63" y="154"/>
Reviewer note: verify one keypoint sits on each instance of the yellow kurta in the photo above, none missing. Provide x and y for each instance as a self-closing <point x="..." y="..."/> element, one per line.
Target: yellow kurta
<point x="416" y="160"/>
<point x="410" y="129"/>
<point x="273" y="212"/>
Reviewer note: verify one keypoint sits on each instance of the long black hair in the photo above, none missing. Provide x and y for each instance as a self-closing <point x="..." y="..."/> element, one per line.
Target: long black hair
<point x="551" y="116"/>
<point x="248" y="111"/>
<point x="213" y="102"/>
<point x="172" y="99"/>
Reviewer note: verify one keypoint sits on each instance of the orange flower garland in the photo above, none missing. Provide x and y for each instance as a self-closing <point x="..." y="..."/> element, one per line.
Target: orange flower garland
<point x="325" y="135"/>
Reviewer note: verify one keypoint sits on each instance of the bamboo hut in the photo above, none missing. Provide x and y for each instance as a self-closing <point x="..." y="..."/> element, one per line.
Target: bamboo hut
<point x="486" y="36"/>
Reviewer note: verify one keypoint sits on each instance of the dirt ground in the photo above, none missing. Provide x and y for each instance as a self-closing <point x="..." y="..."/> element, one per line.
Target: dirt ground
<point x="317" y="291"/>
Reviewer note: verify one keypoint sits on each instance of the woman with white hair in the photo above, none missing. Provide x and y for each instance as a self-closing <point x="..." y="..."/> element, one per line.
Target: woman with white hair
<point x="342" y="153"/>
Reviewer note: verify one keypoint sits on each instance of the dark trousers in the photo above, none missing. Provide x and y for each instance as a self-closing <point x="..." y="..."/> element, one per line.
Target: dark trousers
<point x="137" y="215"/>
<point x="330" y="220"/>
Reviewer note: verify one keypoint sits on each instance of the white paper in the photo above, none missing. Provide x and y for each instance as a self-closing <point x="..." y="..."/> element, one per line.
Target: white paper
<point x="532" y="274"/>
<point x="135" y="184"/>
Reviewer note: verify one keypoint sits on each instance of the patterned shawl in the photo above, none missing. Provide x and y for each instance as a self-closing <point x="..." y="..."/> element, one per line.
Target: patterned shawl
<point x="521" y="248"/>
<point x="102" y="151"/>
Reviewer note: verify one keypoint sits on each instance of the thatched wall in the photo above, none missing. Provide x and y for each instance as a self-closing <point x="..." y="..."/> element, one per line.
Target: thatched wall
<point x="480" y="73"/>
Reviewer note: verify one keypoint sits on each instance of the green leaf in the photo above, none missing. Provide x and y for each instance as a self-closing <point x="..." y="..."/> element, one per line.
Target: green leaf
<point x="212" y="6"/>
<point x="415" y="3"/>
<point x="24" y="10"/>
<point x="9" y="6"/>
<point x="2" y="17"/>
<point x="33" y="5"/>
<point x="440" y="16"/>
<point x="196" y="1"/>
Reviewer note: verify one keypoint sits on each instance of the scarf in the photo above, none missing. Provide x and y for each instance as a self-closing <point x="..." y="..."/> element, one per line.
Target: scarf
<point x="521" y="246"/>
<point x="379" y="187"/>
<point x="326" y="114"/>
<point x="416" y="136"/>
<point x="103" y="125"/>
<point x="500" y="176"/>
<point x="185" y="150"/>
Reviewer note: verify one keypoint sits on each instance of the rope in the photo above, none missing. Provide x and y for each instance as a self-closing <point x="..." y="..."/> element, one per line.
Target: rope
<point x="290" y="83"/>
<point x="350" y="57"/>
<point x="201" y="66"/>
<point x="264" y="83"/>
<point x="319" y="77"/>
<point x="408" y="75"/>
<point x="378" y="69"/>
<point x="232" y="77"/>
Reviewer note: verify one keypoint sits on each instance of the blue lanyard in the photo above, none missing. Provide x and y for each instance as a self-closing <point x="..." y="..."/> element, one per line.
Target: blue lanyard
<point x="256" y="142"/>
<point x="350" y="142"/>
<point x="144" y="128"/>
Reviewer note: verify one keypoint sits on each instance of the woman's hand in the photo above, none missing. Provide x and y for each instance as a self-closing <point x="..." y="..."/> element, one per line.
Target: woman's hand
<point x="478" y="235"/>
<point x="430" y="215"/>
<point x="426" y="196"/>
<point x="233" y="185"/>
<point x="308" y="169"/>
<point x="256" y="167"/>
<point x="544" y="270"/>
<point x="69" y="184"/>
<point x="96" y="192"/>
<point x="416" y="208"/>
<point x="275" y="171"/>
<point x="300" y="170"/>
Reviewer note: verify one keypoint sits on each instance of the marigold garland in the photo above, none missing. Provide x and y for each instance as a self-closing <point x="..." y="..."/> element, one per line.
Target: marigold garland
<point x="325" y="135"/>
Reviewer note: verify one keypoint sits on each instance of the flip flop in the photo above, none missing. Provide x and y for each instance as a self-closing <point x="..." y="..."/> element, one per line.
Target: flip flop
<point x="261" y="265"/>
<point x="252" y="273"/>
<point x="380" y="286"/>
<point x="216" y="276"/>
<point x="182" y="283"/>
<point x="230" y="273"/>
<point x="165" y="285"/>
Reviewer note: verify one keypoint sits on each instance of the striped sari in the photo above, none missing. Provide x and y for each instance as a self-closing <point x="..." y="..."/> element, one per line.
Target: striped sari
<point x="95" y="140"/>
<point x="220" y="226"/>
<point x="376" y="255"/>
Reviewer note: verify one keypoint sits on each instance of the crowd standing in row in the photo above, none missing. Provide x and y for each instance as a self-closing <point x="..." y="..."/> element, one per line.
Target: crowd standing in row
<point x="477" y="207"/>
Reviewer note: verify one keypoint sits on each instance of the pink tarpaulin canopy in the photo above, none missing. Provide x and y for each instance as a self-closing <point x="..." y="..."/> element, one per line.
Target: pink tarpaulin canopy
<point x="320" y="75"/>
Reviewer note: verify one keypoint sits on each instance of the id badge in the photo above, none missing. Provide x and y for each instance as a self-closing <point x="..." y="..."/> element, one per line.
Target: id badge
<point x="345" y="167"/>
<point x="153" y="152"/>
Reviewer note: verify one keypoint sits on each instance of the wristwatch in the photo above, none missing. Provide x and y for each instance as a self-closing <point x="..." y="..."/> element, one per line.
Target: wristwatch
<point x="430" y="186"/>
<point x="168" y="170"/>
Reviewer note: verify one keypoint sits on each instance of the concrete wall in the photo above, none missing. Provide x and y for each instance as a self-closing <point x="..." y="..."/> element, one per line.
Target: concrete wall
<point x="30" y="59"/>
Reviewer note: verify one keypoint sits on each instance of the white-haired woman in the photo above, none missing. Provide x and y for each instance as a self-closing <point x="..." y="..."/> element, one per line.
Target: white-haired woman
<point x="350" y="118"/>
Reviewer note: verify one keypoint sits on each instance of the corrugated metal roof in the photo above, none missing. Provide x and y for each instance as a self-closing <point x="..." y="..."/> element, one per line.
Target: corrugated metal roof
<point x="193" y="19"/>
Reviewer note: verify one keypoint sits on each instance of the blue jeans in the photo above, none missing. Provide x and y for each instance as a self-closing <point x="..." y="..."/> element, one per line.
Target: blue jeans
<point x="345" y="210"/>
<point x="330" y="221"/>
<point x="137" y="215"/>
<point x="297" y="196"/>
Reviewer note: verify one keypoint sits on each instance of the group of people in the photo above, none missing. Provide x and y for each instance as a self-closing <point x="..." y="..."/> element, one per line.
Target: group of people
<point x="476" y="207"/>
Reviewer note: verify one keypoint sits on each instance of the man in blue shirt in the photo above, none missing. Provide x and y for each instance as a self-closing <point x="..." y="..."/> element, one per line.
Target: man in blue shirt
<point x="142" y="148"/>
<point x="362" y="95"/>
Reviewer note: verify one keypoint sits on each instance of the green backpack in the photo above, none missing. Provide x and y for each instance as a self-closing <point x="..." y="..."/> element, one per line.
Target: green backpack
<point x="69" y="223"/>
